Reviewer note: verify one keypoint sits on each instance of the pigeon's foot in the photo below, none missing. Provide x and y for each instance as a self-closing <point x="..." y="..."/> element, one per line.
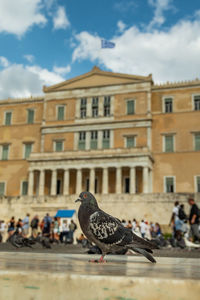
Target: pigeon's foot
<point x="101" y="260"/>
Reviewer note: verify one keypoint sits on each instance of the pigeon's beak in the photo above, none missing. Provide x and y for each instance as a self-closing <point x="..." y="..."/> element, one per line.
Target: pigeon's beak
<point x="78" y="200"/>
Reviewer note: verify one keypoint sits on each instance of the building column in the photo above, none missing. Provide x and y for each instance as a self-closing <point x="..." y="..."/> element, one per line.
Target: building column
<point x="105" y="181"/>
<point x="53" y="182"/>
<point x="30" y="183"/>
<point x="100" y="139"/>
<point x="89" y="108"/>
<point x="92" y="180"/>
<point x="87" y="140"/>
<point x="118" y="187"/>
<point x="145" y="179"/>
<point x="66" y="182"/>
<point x="78" y="105"/>
<point x="78" y="181"/>
<point x="150" y="181"/>
<point x="41" y="182"/>
<point x="132" y="180"/>
<point x="101" y="106"/>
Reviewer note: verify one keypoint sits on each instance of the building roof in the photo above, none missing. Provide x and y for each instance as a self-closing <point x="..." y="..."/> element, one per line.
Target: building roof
<point x="65" y="213"/>
<point x="97" y="77"/>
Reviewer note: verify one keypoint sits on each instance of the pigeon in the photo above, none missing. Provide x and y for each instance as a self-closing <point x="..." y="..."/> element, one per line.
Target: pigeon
<point x="19" y="241"/>
<point x="107" y="232"/>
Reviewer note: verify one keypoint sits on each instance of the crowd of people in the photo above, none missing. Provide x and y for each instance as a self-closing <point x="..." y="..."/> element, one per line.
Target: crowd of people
<point x="51" y="227"/>
<point x="183" y="225"/>
<point x="63" y="231"/>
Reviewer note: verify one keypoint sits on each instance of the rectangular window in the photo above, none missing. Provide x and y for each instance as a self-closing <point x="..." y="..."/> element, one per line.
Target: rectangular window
<point x="106" y="106"/>
<point x="81" y="142"/>
<point x="169" y="143"/>
<point x="197" y="102"/>
<point x="95" y="107"/>
<point x="198" y="184"/>
<point x="8" y="118"/>
<point x="130" y="107"/>
<point x="25" y="188"/>
<point x="5" y="151"/>
<point x="30" y="116"/>
<point x="93" y="139"/>
<point x="60" y="113"/>
<point x="169" y="185"/>
<point x="197" y="142"/>
<point x="83" y="108"/>
<point x="58" y="146"/>
<point x="27" y="150"/>
<point x="168" y="105"/>
<point x="106" y="139"/>
<point x="2" y="188"/>
<point x="130" y="142"/>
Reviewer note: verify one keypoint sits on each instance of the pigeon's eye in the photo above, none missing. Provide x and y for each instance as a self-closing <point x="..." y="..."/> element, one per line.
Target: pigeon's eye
<point x="85" y="196"/>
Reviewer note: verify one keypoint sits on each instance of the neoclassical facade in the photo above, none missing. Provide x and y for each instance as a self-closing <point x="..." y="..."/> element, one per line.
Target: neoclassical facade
<point x="108" y="133"/>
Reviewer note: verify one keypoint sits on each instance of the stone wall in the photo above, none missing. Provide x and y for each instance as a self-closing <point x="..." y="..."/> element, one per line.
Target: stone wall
<point x="153" y="207"/>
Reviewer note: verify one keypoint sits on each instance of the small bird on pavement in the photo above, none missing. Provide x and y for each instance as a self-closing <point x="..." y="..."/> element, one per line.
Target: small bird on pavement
<point x="107" y="232"/>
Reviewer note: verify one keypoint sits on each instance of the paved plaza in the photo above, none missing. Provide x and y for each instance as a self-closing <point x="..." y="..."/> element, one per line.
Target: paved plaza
<point x="70" y="276"/>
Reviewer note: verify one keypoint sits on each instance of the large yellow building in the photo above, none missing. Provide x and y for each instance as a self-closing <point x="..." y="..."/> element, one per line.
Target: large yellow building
<point x="103" y="132"/>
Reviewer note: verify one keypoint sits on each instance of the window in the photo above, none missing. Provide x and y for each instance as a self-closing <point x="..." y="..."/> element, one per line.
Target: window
<point x="95" y="107"/>
<point x="58" y="146"/>
<point x="197" y="142"/>
<point x="8" y="118"/>
<point x="5" y="152"/>
<point x="169" y="185"/>
<point x="197" y="184"/>
<point x="27" y="150"/>
<point x="169" y="143"/>
<point x="81" y="142"/>
<point x="197" y="102"/>
<point x="93" y="140"/>
<point x="106" y="106"/>
<point x="30" y="117"/>
<point x="168" y="105"/>
<point x="83" y="108"/>
<point x="24" y="188"/>
<point x="2" y="188"/>
<point x="130" y="107"/>
<point x="106" y="139"/>
<point x="60" y="112"/>
<point x="130" y="141"/>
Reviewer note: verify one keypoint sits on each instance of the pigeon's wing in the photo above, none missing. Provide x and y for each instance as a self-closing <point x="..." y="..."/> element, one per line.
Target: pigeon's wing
<point x="110" y="231"/>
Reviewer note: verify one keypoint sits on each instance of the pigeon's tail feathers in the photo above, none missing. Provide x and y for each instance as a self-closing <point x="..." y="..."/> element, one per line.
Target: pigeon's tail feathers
<point x="145" y="253"/>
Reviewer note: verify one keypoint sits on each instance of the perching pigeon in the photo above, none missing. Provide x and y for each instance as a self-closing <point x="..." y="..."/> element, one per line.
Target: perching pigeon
<point x="107" y="232"/>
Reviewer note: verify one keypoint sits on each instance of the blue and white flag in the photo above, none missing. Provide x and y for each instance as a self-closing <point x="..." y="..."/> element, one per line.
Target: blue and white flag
<point x="107" y="44"/>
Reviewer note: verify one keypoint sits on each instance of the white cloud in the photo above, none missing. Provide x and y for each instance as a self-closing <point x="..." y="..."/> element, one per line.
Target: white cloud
<point x="17" y="80"/>
<point x="60" y="20"/>
<point x="169" y="55"/>
<point x="29" y="57"/>
<point x="121" y="26"/>
<point x="62" y="70"/>
<point x="160" y="7"/>
<point x="17" y="16"/>
<point x="4" y="62"/>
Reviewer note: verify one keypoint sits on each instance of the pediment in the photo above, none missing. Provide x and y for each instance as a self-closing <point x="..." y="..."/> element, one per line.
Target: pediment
<point x="97" y="78"/>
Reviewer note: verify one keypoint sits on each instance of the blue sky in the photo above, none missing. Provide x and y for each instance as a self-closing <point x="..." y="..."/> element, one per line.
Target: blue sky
<point x="43" y="42"/>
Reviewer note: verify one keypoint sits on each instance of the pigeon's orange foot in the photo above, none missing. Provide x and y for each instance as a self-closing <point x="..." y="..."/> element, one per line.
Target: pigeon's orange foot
<point x="101" y="260"/>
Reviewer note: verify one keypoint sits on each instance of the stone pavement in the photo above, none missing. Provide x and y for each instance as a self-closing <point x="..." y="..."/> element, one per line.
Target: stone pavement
<point x="70" y="276"/>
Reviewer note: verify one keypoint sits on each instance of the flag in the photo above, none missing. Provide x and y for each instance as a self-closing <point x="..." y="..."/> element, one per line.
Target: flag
<point x="107" y="44"/>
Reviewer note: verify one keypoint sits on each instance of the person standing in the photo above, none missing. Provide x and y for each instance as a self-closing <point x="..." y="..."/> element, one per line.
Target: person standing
<point x="143" y="228"/>
<point x="25" y="226"/>
<point x="11" y="226"/>
<point x="194" y="220"/>
<point x="72" y="228"/>
<point x="47" y="225"/>
<point x="174" y="217"/>
<point x="3" y="230"/>
<point x="34" y="226"/>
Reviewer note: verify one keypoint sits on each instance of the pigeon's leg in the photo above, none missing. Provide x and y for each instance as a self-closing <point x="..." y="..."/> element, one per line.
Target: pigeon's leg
<point x="101" y="260"/>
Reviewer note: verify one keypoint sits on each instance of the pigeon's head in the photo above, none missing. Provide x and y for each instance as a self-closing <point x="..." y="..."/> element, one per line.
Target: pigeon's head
<point x="86" y="198"/>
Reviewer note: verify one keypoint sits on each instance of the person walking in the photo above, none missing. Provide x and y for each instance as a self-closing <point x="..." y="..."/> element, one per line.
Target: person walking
<point x="194" y="217"/>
